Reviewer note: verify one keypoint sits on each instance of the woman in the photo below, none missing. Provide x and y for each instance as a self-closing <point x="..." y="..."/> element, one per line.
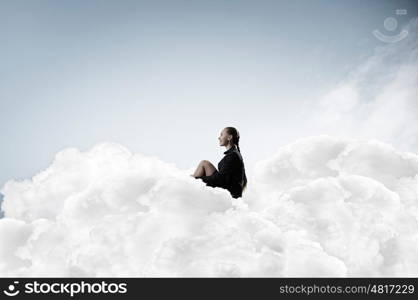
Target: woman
<point x="231" y="174"/>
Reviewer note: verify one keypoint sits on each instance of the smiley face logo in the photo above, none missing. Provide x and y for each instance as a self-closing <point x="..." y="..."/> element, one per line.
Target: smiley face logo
<point x="391" y="24"/>
<point x="12" y="291"/>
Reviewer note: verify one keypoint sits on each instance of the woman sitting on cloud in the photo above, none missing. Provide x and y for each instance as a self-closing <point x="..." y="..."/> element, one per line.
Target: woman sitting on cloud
<point x="231" y="174"/>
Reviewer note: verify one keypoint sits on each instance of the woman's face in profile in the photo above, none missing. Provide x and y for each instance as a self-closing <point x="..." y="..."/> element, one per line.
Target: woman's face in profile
<point x="223" y="138"/>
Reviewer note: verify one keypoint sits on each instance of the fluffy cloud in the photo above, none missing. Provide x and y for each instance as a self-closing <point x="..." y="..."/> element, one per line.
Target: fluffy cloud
<point x="321" y="206"/>
<point x="378" y="98"/>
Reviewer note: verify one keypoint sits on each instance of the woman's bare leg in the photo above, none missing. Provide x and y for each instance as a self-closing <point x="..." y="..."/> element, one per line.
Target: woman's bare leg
<point x="205" y="168"/>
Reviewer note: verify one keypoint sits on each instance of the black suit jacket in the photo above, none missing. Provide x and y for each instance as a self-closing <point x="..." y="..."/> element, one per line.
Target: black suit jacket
<point x="231" y="174"/>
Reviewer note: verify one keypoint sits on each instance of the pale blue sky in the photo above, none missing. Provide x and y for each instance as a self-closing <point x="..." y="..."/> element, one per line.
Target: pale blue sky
<point x="164" y="77"/>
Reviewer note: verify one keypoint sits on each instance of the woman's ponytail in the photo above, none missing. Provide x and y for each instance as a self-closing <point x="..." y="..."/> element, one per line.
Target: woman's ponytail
<point x="238" y="147"/>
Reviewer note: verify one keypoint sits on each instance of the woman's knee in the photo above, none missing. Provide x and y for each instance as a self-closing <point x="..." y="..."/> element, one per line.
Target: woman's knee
<point x="208" y="165"/>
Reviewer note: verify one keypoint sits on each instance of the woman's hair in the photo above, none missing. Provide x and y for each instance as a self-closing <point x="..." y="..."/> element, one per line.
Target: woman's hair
<point x="235" y="139"/>
<point x="235" y="135"/>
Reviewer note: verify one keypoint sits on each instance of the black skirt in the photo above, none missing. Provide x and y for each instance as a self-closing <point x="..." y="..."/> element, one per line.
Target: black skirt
<point x="234" y="189"/>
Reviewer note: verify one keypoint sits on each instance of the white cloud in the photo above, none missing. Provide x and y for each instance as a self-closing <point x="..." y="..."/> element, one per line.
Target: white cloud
<point x="378" y="99"/>
<point x="321" y="206"/>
